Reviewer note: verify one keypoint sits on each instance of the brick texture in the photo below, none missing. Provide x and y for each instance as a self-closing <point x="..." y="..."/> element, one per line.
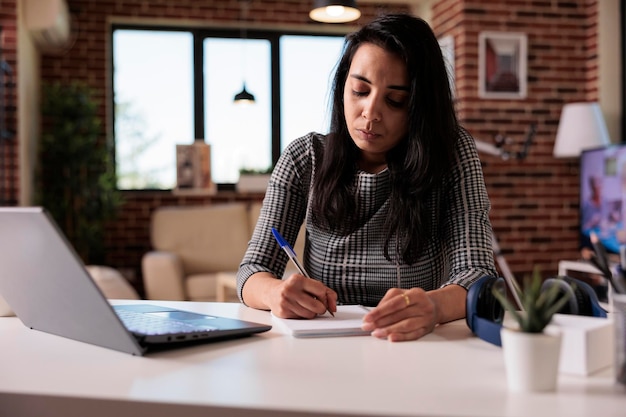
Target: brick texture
<point x="535" y="200"/>
<point x="9" y="180"/>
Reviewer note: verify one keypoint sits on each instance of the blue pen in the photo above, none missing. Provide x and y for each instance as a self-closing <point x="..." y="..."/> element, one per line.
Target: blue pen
<point x="292" y="255"/>
<point x="290" y="252"/>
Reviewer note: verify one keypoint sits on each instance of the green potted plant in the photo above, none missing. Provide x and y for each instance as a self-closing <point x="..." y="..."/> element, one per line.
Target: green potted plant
<point x="76" y="179"/>
<point x="531" y="349"/>
<point x="539" y="304"/>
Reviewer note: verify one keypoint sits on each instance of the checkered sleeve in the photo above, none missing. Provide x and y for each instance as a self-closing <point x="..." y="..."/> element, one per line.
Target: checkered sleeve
<point x="284" y="208"/>
<point x="466" y="225"/>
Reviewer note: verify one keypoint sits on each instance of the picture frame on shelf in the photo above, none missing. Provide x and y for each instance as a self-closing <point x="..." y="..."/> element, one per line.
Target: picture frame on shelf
<point x="502" y="65"/>
<point x="193" y="169"/>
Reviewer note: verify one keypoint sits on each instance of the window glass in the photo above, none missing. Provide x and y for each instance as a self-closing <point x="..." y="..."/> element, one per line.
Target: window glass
<point x="154" y="96"/>
<point x="240" y="135"/>
<point x="307" y="68"/>
<point x="153" y="100"/>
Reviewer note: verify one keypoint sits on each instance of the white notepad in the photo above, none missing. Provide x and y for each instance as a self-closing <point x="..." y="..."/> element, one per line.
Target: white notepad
<point x="347" y="322"/>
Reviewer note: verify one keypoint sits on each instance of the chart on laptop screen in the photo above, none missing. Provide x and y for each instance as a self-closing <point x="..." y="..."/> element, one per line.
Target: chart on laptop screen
<point x="603" y="195"/>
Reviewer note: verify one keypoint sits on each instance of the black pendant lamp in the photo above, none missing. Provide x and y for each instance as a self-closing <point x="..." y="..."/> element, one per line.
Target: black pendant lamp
<point x="244" y="97"/>
<point x="334" y="11"/>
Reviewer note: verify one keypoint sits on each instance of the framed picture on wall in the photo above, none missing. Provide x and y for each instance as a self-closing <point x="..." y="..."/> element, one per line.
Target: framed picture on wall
<point x="502" y="65"/>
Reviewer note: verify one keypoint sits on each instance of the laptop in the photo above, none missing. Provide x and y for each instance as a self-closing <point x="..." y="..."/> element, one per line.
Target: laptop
<point x="47" y="286"/>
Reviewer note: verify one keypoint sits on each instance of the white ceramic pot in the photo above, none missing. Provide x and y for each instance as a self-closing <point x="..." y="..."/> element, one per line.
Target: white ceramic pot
<point x="531" y="359"/>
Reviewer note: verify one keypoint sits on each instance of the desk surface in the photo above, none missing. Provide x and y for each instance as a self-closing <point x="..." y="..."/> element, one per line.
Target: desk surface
<point x="447" y="373"/>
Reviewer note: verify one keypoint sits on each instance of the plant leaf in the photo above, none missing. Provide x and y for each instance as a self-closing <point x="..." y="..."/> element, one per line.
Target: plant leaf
<point x="539" y="303"/>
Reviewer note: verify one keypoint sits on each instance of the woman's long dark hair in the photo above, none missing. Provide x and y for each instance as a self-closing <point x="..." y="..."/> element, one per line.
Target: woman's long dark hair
<point x="417" y="163"/>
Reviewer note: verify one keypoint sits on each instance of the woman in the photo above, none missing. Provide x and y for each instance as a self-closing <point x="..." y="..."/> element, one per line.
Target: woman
<point x="396" y="210"/>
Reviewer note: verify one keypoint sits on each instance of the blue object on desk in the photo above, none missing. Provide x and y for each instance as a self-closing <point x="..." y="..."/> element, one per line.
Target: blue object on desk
<point x="484" y="314"/>
<point x="290" y="252"/>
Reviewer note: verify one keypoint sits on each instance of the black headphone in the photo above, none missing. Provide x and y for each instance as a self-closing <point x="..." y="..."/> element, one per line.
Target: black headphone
<point x="484" y="313"/>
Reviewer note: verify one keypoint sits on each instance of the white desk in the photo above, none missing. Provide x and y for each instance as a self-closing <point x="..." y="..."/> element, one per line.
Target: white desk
<point x="447" y="373"/>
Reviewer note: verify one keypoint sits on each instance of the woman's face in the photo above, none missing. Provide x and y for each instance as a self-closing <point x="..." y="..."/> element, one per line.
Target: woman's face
<point x="376" y="98"/>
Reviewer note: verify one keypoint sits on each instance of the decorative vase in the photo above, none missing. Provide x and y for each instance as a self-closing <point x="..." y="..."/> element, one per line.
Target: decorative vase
<point x="531" y="360"/>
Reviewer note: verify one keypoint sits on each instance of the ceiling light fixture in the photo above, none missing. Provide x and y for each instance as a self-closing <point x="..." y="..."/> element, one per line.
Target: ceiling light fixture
<point x="334" y="11"/>
<point x="244" y="97"/>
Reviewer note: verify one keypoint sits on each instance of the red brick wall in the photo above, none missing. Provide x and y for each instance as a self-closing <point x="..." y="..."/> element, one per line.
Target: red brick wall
<point x="535" y="201"/>
<point x="8" y="139"/>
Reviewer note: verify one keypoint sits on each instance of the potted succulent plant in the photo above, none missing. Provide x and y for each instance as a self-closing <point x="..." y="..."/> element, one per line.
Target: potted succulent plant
<point x="532" y="349"/>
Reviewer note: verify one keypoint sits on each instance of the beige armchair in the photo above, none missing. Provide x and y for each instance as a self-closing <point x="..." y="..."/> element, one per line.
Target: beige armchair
<point x="192" y="245"/>
<point x="197" y="248"/>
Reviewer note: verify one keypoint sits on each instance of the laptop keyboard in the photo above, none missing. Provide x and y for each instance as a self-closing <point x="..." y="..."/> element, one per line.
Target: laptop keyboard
<point x="137" y="322"/>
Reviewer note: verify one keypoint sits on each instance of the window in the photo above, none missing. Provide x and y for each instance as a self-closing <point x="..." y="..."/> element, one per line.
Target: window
<point x="153" y="102"/>
<point x="307" y="69"/>
<point x="176" y="86"/>
<point x="240" y="134"/>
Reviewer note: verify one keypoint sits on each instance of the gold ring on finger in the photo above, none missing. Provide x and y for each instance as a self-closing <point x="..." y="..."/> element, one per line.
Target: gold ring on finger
<point x="406" y="299"/>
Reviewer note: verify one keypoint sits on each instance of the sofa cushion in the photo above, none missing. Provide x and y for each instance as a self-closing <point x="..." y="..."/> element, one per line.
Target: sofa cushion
<point x="207" y="238"/>
<point x="201" y="287"/>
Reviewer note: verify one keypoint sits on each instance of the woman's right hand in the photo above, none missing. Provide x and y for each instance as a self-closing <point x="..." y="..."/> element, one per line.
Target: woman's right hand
<point x="293" y="297"/>
<point x="300" y="297"/>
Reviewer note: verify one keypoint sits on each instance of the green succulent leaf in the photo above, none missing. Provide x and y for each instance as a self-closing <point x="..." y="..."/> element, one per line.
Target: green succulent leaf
<point x="539" y="304"/>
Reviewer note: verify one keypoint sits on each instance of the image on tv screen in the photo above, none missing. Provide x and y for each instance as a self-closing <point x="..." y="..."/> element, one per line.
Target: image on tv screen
<point x="603" y="196"/>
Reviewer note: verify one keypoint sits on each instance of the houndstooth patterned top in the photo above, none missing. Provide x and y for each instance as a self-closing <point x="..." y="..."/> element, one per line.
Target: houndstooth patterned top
<point x="354" y="265"/>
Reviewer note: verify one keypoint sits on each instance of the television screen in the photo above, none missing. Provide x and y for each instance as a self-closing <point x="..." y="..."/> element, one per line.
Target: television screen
<point x="603" y="196"/>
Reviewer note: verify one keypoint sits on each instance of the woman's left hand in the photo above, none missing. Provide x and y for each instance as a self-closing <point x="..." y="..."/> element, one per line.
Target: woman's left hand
<point x="402" y="315"/>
